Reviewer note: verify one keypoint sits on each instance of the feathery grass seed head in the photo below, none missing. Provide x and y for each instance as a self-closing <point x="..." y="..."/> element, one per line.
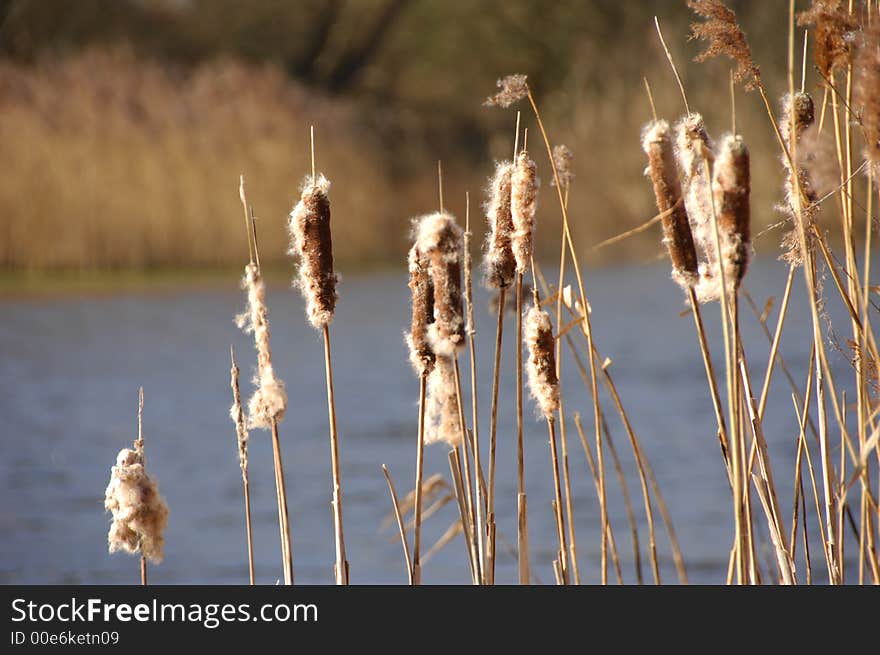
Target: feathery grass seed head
<point x="541" y="365"/>
<point x="499" y="263"/>
<point x="311" y="241"/>
<point x="657" y="144"/>
<point x="523" y="205"/>
<point x="512" y="89"/>
<point x="439" y="238"/>
<point x="139" y="512"/>
<point x="834" y="31"/>
<point x="725" y="37"/>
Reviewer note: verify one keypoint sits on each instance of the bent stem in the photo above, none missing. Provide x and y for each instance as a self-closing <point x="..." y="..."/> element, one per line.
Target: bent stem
<point x="400" y="526"/>
<point x="283" y="520"/>
<point x="493" y="430"/>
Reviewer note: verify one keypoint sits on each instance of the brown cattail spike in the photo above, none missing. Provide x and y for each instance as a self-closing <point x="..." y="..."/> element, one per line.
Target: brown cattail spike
<point x="657" y="144"/>
<point x="523" y="204"/>
<point x="439" y="238"/>
<point x="731" y="187"/>
<point x="422" y="290"/>
<point x="499" y="263"/>
<point x="309" y="228"/>
<point x="541" y="369"/>
<point x="139" y="512"/>
<point x="236" y="413"/>
<point x="269" y="401"/>
<point x="441" y="407"/>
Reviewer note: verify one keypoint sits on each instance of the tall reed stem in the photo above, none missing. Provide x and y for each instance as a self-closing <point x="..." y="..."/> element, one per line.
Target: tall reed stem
<point x="522" y="504"/>
<point x="342" y="570"/>
<point x="283" y="520"/>
<point x="493" y="431"/>
<point x="562" y="555"/>
<point x="420" y="451"/>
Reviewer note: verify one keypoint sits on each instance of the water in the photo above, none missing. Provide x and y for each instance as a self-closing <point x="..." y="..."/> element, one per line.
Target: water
<point x="70" y="369"/>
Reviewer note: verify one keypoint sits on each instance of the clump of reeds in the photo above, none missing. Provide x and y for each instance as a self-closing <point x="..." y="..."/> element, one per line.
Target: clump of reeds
<point x="541" y="367"/>
<point x="269" y="401"/>
<point x="439" y="238"/>
<point x="731" y="186"/>
<point x="523" y="205"/>
<point x="797" y="115"/>
<point x="309" y="228"/>
<point x="499" y="262"/>
<point x="657" y="144"/>
<point x="421" y="355"/>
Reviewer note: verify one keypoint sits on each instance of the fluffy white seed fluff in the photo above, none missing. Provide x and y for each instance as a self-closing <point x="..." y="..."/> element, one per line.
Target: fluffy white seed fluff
<point x="541" y="365"/>
<point x="269" y="400"/>
<point x="441" y="406"/>
<point x="139" y="512"/>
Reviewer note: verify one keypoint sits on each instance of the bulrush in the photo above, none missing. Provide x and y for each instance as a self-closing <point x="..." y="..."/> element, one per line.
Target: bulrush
<point x="422" y="291"/>
<point x="438" y="237"/>
<point x="798" y="113"/>
<point x="269" y="401"/>
<point x="541" y="368"/>
<point x="499" y="263"/>
<point x="311" y="241"/>
<point x="695" y="154"/>
<point x="731" y="187"/>
<point x="139" y="513"/>
<point x="657" y="144"/>
<point x="441" y="413"/>
<point x="523" y="204"/>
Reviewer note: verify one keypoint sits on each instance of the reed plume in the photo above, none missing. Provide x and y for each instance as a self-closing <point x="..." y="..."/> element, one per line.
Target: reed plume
<point x="657" y="144"/>
<point x="311" y="241"/>
<point x="833" y="28"/>
<point x="512" y="89"/>
<point x="731" y="186"/>
<point x="797" y="115"/>
<point x="439" y="238"/>
<point x="269" y="401"/>
<point x="725" y="37"/>
<point x="541" y="367"/>
<point x="499" y="263"/>
<point x="441" y="411"/>
<point x="523" y="204"/>
<point x="140" y="515"/>
<point x="421" y="355"/>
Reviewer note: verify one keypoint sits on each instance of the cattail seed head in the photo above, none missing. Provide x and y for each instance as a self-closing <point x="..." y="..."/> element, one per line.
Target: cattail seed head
<point x="422" y="291"/>
<point x="797" y="115"/>
<point x="439" y="238"/>
<point x="441" y="406"/>
<point x="541" y="366"/>
<point x="657" y="144"/>
<point x="867" y="88"/>
<point x="269" y="400"/>
<point x="523" y="204"/>
<point x="562" y="160"/>
<point x="311" y="241"/>
<point x="236" y="413"/>
<point x="139" y="512"/>
<point x="731" y="185"/>
<point x="499" y="263"/>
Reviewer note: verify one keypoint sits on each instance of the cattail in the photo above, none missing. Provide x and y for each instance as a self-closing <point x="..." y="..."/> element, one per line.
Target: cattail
<point x="543" y="383"/>
<point x="441" y="407"/>
<point x="731" y="186"/>
<point x="422" y="290"/>
<point x="867" y="89"/>
<point x="439" y="238"/>
<point x="695" y="153"/>
<point x="236" y="413"/>
<point x="270" y="399"/>
<point x="523" y="204"/>
<point x="562" y="160"/>
<point x="139" y="512"/>
<point x="657" y="144"/>
<point x="795" y="118"/>
<point x="512" y="89"/>
<point x="309" y="228"/>
<point x="499" y="263"/>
